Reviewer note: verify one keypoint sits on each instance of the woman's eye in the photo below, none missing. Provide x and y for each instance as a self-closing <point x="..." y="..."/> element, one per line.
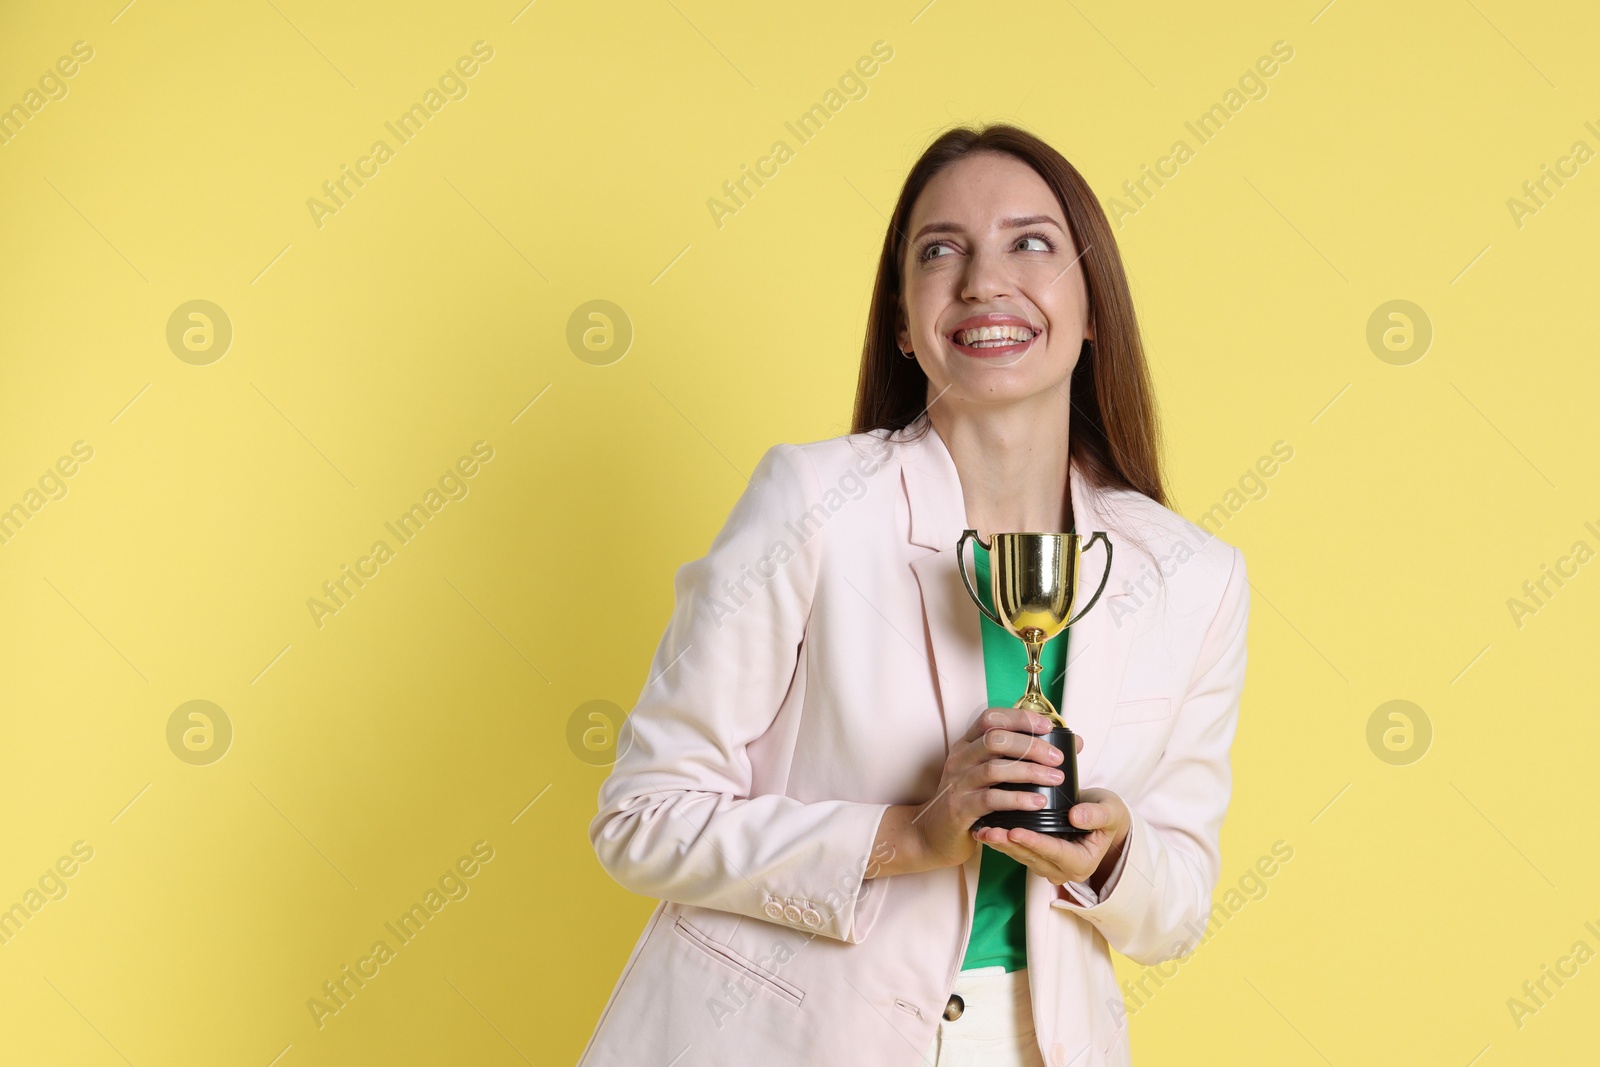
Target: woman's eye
<point x="927" y="253"/>
<point x="1044" y="244"/>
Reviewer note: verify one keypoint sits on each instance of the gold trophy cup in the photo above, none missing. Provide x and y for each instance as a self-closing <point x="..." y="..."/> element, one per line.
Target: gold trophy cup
<point x="1033" y="583"/>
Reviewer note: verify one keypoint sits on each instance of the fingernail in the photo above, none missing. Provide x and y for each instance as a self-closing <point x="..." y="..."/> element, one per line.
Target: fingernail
<point x="1056" y="755"/>
<point x="1054" y="775"/>
<point x="1038" y="800"/>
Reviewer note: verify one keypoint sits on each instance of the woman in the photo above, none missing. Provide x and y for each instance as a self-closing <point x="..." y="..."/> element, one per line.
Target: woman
<point x="799" y="780"/>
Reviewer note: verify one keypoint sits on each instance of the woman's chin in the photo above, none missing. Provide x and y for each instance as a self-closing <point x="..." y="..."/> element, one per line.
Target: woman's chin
<point x="994" y="387"/>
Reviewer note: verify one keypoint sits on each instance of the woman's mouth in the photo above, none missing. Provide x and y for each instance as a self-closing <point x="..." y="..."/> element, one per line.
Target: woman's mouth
<point x="989" y="342"/>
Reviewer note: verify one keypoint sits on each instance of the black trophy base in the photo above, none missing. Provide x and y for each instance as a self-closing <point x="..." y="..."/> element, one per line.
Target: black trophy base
<point x="1059" y="799"/>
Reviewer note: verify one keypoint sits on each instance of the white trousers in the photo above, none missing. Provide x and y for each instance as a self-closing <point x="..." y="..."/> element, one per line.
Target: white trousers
<point x="996" y="1024"/>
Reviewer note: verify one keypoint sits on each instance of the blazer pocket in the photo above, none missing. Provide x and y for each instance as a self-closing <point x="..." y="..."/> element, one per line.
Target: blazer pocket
<point x="718" y="951"/>
<point x="1155" y="709"/>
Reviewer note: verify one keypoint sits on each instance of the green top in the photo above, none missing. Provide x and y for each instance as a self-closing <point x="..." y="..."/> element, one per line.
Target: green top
<point x="999" y="923"/>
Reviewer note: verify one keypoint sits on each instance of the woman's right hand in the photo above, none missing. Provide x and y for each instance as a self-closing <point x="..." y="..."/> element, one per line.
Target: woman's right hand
<point x="1001" y="746"/>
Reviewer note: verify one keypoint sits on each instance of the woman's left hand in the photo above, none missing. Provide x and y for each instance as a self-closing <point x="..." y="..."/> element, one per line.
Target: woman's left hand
<point x="1086" y="860"/>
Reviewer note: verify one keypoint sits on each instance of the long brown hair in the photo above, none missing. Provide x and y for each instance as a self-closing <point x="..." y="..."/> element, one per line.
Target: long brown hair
<point x="1113" y="432"/>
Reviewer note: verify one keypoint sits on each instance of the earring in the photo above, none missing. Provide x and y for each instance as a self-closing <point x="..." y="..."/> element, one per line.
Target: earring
<point x="906" y="352"/>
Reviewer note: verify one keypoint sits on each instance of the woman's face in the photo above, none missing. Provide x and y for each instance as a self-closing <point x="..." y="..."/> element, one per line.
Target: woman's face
<point x="993" y="301"/>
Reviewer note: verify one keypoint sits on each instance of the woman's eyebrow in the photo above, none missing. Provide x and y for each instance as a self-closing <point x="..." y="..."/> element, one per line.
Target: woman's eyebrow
<point x="1005" y="224"/>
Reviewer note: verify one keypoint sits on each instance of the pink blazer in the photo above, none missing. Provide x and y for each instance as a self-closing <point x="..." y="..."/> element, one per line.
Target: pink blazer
<point x="820" y="660"/>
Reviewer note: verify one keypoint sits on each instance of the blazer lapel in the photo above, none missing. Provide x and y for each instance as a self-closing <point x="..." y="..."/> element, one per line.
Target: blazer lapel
<point x="1098" y="647"/>
<point x="955" y="640"/>
<point x="1098" y="643"/>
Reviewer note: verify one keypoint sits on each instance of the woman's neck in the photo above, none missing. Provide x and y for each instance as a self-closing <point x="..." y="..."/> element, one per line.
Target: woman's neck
<point x="1012" y="460"/>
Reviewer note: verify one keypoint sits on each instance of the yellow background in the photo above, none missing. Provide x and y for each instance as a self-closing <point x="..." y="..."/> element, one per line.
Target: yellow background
<point x="431" y="712"/>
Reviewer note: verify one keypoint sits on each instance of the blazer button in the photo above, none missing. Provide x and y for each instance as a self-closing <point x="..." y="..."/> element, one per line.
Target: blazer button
<point x="773" y="909"/>
<point x="792" y="913"/>
<point x="953" y="1009"/>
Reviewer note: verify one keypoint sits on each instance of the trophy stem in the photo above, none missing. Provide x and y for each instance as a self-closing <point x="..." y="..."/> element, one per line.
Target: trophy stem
<point x="1033" y="697"/>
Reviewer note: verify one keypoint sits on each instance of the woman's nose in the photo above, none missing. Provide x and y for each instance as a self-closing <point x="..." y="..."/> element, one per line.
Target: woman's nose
<point x="986" y="277"/>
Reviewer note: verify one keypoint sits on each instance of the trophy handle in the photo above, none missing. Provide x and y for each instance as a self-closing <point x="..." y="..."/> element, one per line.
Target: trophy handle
<point x="1100" y="536"/>
<point x="961" y="565"/>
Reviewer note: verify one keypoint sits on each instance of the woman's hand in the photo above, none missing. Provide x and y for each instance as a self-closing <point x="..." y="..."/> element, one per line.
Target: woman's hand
<point x="1001" y="746"/>
<point x="1089" y="859"/>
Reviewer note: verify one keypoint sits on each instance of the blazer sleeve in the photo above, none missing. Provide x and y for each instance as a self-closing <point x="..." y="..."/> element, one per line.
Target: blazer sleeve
<point x="1158" y="902"/>
<point x="677" y="819"/>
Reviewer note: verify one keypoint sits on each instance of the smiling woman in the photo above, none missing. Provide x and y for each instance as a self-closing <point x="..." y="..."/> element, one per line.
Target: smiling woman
<point x="804" y="779"/>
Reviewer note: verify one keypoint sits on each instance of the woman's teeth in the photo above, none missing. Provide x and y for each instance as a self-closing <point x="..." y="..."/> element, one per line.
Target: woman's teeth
<point x="993" y="336"/>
